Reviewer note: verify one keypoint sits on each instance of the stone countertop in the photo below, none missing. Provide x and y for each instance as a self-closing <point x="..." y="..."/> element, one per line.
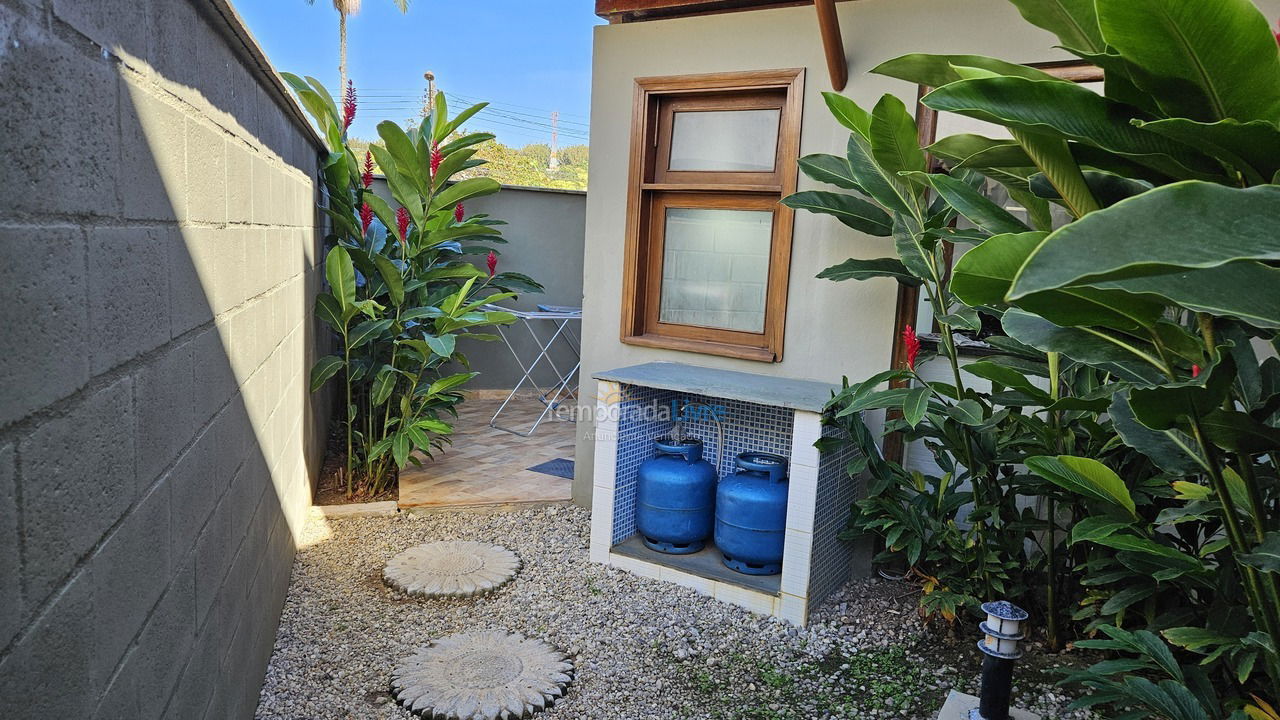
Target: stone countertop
<point x="807" y="395"/>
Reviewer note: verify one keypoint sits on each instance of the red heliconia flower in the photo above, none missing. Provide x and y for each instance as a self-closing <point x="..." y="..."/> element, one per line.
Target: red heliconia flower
<point x="366" y="217"/>
<point x="348" y="106"/>
<point x="492" y="262"/>
<point x="912" y="344"/>
<point x="457" y="212"/>
<point x="1195" y="371"/>
<point x="436" y="158"/>
<point x="366" y="178"/>
<point x="402" y="221"/>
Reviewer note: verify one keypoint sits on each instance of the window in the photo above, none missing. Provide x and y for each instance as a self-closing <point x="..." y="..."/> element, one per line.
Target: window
<point x="708" y="244"/>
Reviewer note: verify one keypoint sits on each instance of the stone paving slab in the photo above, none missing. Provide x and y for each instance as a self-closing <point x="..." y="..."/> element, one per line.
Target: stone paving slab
<point x="489" y="675"/>
<point x="453" y="568"/>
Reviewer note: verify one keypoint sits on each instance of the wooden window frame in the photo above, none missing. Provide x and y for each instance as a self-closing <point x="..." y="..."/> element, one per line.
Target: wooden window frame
<point x="652" y="187"/>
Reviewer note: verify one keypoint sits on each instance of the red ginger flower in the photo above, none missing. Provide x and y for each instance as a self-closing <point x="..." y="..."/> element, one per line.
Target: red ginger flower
<point x="492" y="262"/>
<point x="457" y="212"/>
<point x="436" y="158"/>
<point x="366" y="178"/>
<point x="402" y="221"/>
<point x="912" y="345"/>
<point x="1195" y="371"/>
<point x="348" y="106"/>
<point x="366" y="217"/>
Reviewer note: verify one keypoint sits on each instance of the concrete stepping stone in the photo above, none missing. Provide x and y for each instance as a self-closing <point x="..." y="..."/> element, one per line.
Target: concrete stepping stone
<point x="486" y="675"/>
<point x="454" y="568"/>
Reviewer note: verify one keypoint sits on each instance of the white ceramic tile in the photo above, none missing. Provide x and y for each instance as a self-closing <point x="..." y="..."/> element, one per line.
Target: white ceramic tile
<point x="802" y="491"/>
<point x="805" y="432"/>
<point x="793" y="609"/>
<point x="599" y="552"/>
<point x="757" y="602"/>
<point x="703" y="585"/>
<point x="605" y="467"/>
<point x="796" y="560"/>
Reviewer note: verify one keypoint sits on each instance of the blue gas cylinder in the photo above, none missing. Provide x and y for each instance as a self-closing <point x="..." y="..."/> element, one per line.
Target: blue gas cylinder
<point x="751" y="514"/>
<point x="675" y="497"/>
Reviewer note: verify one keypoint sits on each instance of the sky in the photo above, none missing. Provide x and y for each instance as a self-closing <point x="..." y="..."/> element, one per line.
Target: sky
<point x="525" y="57"/>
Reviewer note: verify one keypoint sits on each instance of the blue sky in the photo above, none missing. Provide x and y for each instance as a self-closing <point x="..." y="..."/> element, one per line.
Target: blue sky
<point x="526" y="57"/>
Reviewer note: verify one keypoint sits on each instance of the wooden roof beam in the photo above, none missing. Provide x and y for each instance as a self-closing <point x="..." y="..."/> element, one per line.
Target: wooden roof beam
<point x="832" y="43"/>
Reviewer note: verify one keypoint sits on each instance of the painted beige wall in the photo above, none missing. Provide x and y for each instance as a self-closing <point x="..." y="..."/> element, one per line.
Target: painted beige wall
<point x="833" y="329"/>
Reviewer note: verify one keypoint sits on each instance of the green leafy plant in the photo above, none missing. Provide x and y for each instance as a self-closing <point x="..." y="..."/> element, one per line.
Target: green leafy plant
<point x="1166" y="279"/>
<point x="401" y="290"/>
<point x="962" y="532"/>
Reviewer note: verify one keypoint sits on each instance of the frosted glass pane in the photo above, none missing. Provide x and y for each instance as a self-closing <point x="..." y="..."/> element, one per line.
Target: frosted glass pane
<point x="715" y="268"/>
<point x="724" y="140"/>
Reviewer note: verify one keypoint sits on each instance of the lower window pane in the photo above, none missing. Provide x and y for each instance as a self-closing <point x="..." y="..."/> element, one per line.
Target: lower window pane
<point x="715" y="268"/>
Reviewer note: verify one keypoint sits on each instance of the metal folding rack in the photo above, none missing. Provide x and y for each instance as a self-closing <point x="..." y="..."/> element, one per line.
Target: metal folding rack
<point x="565" y="387"/>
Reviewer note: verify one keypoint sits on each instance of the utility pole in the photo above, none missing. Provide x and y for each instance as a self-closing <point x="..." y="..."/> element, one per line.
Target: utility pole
<point x="429" y="102"/>
<point x="553" y="162"/>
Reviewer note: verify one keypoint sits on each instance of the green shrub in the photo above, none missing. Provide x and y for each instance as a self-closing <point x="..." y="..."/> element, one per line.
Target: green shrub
<point x="401" y="290"/>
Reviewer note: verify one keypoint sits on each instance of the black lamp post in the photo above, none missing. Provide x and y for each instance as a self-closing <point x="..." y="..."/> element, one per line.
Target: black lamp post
<point x="1003" y="630"/>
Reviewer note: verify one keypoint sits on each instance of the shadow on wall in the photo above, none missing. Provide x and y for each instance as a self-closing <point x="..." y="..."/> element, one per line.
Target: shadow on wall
<point x="157" y="438"/>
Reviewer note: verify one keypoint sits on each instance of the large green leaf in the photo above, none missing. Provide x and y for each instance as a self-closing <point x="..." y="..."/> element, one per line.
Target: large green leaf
<point x="855" y="269"/>
<point x="403" y="153"/>
<point x="914" y="405"/>
<point x="391" y="276"/>
<point x="464" y="190"/>
<point x="1171" y="450"/>
<point x="854" y="212"/>
<point x="891" y="191"/>
<point x="341" y="274"/>
<point x="324" y="369"/>
<point x="1068" y="111"/>
<point x="1008" y="377"/>
<point x="1251" y="147"/>
<point x="1075" y="22"/>
<point x="938" y="70"/>
<point x="328" y="310"/>
<point x="978" y="151"/>
<point x="1246" y="289"/>
<point x="1128" y="358"/>
<point x="1266" y="556"/>
<point x="1239" y="432"/>
<point x="830" y="169"/>
<point x="848" y="113"/>
<point x="1084" y="476"/>
<point x="367" y="331"/>
<point x="970" y="203"/>
<point x="1224" y="47"/>
<point x="984" y="275"/>
<point x="895" y="140"/>
<point x="1190" y="224"/>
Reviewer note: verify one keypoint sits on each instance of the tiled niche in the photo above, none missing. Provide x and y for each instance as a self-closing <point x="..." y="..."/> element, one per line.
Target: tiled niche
<point x="636" y="405"/>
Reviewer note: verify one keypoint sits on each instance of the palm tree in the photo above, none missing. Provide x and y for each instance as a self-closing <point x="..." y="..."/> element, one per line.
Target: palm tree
<point x="345" y="8"/>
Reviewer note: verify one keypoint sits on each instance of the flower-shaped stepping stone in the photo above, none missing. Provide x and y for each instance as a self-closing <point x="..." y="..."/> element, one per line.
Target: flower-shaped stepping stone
<point x="455" y="568"/>
<point x="487" y="675"/>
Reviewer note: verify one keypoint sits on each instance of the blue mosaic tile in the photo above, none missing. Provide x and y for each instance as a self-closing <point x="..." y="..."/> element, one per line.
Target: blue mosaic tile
<point x="646" y="414"/>
<point x="830" y="563"/>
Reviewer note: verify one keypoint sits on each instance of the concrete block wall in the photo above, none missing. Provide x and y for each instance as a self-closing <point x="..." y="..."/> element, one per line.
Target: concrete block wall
<point x="157" y="438"/>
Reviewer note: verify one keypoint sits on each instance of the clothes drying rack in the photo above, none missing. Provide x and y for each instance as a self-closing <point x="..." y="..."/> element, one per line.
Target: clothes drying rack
<point x="565" y="387"/>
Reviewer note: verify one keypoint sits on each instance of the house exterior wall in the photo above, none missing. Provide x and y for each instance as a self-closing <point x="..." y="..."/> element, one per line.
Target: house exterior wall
<point x="832" y="329"/>
<point x="157" y="440"/>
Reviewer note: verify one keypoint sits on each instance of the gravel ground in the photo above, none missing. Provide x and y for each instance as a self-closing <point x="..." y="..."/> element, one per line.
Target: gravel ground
<point x="644" y="649"/>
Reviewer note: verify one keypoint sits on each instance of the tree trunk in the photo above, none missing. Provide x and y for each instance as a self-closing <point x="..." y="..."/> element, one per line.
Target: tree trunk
<point x="342" y="54"/>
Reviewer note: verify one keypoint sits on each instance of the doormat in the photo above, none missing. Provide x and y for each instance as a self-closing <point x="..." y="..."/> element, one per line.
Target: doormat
<point x="560" y="467"/>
